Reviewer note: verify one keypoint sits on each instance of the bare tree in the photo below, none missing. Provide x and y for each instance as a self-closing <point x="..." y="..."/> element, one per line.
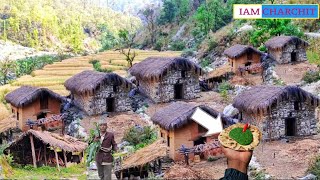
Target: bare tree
<point x="150" y="14"/>
<point x="126" y="46"/>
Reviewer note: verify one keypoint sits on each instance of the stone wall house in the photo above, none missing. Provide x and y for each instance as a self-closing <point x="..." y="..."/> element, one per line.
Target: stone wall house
<point x="279" y="111"/>
<point x="177" y="128"/>
<point x="244" y="59"/>
<point x="166" y="79"/>
<point x="286" y="49"/>
<point x="99" y="93"/>
<point x="33" y="103"/>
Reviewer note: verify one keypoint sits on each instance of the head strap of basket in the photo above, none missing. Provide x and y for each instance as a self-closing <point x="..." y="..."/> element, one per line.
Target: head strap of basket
<point x="228" y="142"/>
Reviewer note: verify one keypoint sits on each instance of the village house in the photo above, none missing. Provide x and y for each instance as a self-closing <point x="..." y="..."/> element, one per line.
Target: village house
<point x="178" y="128"/>
<point x="217" y="76"/>
<point x="286" y="49"/>
<point x="98" y="93"/>
<point x="46" y="148"/>
<point x="244" y="59"/>
<point x="167" y="78"/>
<point x="278" y="111"/>
<point x="32" y="103"/>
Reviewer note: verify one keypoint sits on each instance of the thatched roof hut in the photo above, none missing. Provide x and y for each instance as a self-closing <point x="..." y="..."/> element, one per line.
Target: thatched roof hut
<point x="155" y="68"/>
<point x="90" y="81"/>
<point x="65" y="142"/>
<point x="220" y="71"/>
<point x="178" y="114"/>
<point x="150" y="153"/>
<point x="238" y="50"/>
<point x="279" y="42"/>
<point x="27" y="94"/>
<point x="260" y="99"/>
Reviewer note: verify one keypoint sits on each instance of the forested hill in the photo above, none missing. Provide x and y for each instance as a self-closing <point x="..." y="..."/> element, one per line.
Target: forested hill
<point x="62" y="25"/>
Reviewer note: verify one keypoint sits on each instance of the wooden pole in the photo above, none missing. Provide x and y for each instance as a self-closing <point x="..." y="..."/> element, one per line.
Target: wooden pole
<point x="56" y="154"/>
<point x="33" y="151"/>
<point x="65" y="158"/>
<point x="45" y="154"/>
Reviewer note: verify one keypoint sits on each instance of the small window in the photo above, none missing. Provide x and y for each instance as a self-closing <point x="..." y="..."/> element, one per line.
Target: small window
<point x="241" y="116"/>
<point x="12" y="111"/>
<point x="231" y="63"/>
<point x="183" y="74"/>
<point x="115" y="88"/>
<point x="296" y="105"/>
<point x="18" y="116"/>
<point x="161" y="134"/>
<point x="168" y="141"/>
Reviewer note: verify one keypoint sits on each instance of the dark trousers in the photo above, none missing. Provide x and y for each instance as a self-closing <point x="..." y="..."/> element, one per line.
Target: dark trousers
<point x="104" y="171"/>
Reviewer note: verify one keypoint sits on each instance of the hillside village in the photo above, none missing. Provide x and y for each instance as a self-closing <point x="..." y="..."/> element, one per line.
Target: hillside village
<point x="149" y="93"/>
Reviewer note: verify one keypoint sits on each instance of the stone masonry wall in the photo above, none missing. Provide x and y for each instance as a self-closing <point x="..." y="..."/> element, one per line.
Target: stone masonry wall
<point x="96" y="104"/>
<point x="164" y="91"/>
<point x="284" y="56"/>
<point x="274" y="127"/>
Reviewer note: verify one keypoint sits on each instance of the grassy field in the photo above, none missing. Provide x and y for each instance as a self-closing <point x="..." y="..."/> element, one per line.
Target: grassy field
<point x="54" y="75"/>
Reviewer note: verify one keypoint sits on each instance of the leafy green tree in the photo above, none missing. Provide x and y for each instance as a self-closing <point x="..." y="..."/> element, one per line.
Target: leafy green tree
<point x="126" y="45"/>
<point x="183" y="8"/>
<point x="168" y="12"/>
<point x="7" y="66"/>
<point x="267" y="28"/>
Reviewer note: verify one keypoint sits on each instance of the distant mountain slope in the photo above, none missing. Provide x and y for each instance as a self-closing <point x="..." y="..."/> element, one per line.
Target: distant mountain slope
<point x="64" y="25"/>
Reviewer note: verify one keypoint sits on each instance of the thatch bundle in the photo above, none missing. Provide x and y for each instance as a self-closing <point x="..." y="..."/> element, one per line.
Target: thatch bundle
<point x="90" y="81"/>
<point x="155" y="68"/>
<point x="27" y="94"/>
<point x="279" y="42"/>
<point x="65" y="142"/>
<point x="178" y="114"/>
<point x="260" y="99"/>
<point x="152" y="152"/>
<point x="238" y="50"/>
<point x="220" y="71"/>
<point x="7" y="123"/>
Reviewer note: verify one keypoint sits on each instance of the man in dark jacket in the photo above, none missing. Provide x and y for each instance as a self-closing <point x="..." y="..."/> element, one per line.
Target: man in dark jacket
<point x="104" y="155"/>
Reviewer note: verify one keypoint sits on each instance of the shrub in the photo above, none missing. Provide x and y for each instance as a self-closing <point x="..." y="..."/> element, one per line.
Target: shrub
<point x="311" y="76"/>
<point x="159" y="45"/>
<point x="140" y="136"/>
<point x="177" y="46"/>
<point x="225" y="86"/>
<point x="187" y="53"/>
<point x="205" y="62"/>
<point x="212" y="44"/>
<point x="263" y="48"/>
<point x="314" y="166"/>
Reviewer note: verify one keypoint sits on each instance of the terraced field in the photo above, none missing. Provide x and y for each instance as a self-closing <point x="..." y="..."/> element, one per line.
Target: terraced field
<point x="54" y="75"/>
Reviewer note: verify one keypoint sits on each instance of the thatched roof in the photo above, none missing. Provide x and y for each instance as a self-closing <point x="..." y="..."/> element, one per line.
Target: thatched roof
<point x="279" y="42"/>
<point x="7" y="123"/>
<point x="65" y="142"/>
<point x="220" y="71"/>
<point x="260" y="99"/>
<point x="28" y="94"/>
<point x="152" y="152"/>
<point x="238" y="50"/>
<point x="178" y="114"/>
<point x="154" y="68"/>
<point x="89" y="81"/>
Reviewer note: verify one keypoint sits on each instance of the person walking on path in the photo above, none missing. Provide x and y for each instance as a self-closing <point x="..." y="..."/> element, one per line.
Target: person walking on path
<point x="104" y="157"/>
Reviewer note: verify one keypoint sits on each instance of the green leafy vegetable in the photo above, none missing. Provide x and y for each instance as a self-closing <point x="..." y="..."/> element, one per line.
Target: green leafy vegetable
<point x="94" y="146"/>
<point x="243" y="138"/>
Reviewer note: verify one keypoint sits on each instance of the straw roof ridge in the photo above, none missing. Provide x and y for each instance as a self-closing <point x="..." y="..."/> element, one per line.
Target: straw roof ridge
<point x="154" y="68"/>
<point x="279" y="42"/>
<point x="65" y="142"/>
<point x="260" y="99"/>
<point x="88" y="81"/>
<point x="177" y="114"/>
<point x="152" y="152"/>
<point x="27" y="94"/>
<point x="239" y="49"/>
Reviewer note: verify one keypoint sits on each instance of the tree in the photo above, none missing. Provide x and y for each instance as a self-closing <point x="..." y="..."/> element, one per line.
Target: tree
<point x="150" y="15"/>
<point x="7" y="66"/>
<point x="127" y="42"/>
<point x="168" y="12"/>
<point x="183" y="8"/>
<point x="267" y="28"/>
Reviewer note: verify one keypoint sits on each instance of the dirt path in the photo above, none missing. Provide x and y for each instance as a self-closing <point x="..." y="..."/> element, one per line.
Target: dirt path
<point x="287" y="160"/>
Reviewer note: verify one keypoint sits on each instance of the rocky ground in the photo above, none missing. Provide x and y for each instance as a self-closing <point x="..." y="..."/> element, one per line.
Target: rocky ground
<point x="15" y="51"/>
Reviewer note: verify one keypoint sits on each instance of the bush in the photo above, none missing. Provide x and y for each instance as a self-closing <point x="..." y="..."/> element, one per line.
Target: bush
<point x="311" y="76"/>
<point x="158" y="46"/>
<point x="187" y="53"/>
<point x="97" y="66"/>
<point x="205" y="62"/>
<point x="314" y="166"/>
<point x="225" y="86"/>
<point x="212" y="44"/>
<point x="177" y="46"/>
<point x="140" y="136"/>
<point x="263" y="48"/>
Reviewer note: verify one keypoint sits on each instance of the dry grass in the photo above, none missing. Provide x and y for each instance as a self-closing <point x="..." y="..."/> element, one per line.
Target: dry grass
<point x="53" y="76"/>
